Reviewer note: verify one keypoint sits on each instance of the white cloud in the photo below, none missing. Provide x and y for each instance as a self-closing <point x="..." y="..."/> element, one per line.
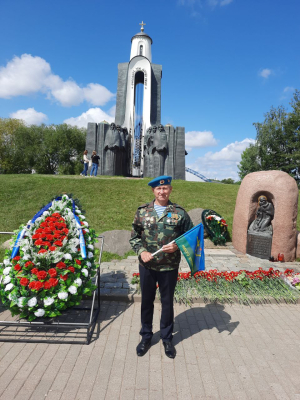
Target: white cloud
<point x="222" y="164"/>
<point x="265" y="73"/>
<point x="288" y="89"/>
<point x="25" y="75"/>
<point x="30" y="116"/>
<point x="112" y="111"/>
<point x="92" y="115"/>
<point x="287" y="92"/>
<point x="199" y="139"/>
<point x="214" y="3"/>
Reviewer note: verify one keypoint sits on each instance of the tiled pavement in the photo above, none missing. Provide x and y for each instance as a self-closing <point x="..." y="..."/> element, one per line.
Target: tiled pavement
<point x="223" y="352"/>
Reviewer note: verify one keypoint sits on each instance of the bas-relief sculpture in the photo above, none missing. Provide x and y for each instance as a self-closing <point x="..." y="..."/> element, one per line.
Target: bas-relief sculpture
<point x="264" y="216"/>
<point x="115" y="150"/>
<point x="278" y="207"/>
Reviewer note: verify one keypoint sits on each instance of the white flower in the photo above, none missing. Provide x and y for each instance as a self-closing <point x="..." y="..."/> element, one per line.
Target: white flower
<point x="62" y="295"/>
<point x="81" y="216"/>
<point x="88" y="264"/>
<point x="77" y="211"/>
<point x="46" y="213"/>
<point x="78" y="282"/>
<point x="6" y="262"/>
<point x="48" y="301"/>
<point x="9" y="296"/>
<point x="72" y="289"/>
<point x="85" y="223"/>
<point x="32" y="302"/>
<point x="86" y="229"/>
<point x="8" y="287"/>
<point x="90" y="246"/>
<point x="68" y="256"/>
<point x="90" y="255"/>
<point x="65" y="197"/>
<point x="20" y="301"/>
<point x="6" y="270"/>
<point x="26" y="257"/>
<point x="85" y="272"/>
<point x="89" y="238"/>
<point x="6" y="280"/>
<point x="40" y="312"/>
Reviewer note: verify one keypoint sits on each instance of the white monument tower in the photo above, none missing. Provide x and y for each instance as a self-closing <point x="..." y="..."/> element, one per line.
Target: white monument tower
<point x="136" y="144"/>
<point x="138" y="96"/>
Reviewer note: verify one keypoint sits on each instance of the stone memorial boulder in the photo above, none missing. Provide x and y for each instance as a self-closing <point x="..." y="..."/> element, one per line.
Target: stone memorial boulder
<point x="116" y="242"/>
<point x="282" y="192"/>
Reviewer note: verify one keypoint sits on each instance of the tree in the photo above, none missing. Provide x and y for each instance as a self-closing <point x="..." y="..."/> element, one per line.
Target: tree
<point x="44" y="149"/>
<point x="277" y="144"/>
<point x="228" y="181"/>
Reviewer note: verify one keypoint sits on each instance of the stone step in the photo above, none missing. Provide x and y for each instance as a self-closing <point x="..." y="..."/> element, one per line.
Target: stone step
<point x="219" y="253"/>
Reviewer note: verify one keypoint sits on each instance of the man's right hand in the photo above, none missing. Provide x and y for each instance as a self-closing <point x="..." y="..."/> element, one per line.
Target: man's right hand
<point x="146" y="256"/>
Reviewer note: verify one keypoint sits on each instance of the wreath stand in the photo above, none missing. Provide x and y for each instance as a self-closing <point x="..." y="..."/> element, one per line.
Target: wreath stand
<point x="48" y="325"/>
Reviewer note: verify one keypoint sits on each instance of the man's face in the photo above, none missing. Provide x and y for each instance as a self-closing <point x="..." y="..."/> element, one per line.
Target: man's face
<point x="162" y="193"/>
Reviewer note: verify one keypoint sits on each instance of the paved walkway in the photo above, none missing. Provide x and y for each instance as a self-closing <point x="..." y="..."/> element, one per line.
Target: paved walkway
<point x="223" y="352"/>
<point x="116" y="275"/>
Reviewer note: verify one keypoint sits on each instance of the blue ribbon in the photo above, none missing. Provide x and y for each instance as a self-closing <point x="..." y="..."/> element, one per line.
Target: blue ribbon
<point x="21" y="234"/>
<point x="81" y="236"/>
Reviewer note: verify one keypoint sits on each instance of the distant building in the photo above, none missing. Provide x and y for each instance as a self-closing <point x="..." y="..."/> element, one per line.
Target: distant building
<point x="136" y="144"/>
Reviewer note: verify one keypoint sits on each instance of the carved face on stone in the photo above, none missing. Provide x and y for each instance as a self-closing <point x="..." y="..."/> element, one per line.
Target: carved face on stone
<point x="161" y="128"/>
<point x="119" y="128"/>
<point x="154" y="128"/>
<point x="112" y="126"/>
<point x="149" y="130"/>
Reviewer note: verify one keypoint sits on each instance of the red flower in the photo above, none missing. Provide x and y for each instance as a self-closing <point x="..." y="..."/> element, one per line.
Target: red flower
<point x="61" y="265"/>
<point x="37" y="285"/>
<point x="84" y="232"/>
<point x="58" y="243"/>
<point x="36" y="236"/>
<point x="17" y="267"/>
<point x="47" y="285"/>
<point x="81" y="223"/>
<point x="34" y="271"/>
<point x="56" y="215"/>
<point x="53" y="282"/>
<point x="24" y="281"/>
<point x="52" y="248"/>
<point x="46" y="243"/>
<point x="78" y="262"/>
<point x="72" y="269"/>
<point x="66" y="230"/>
<point x="52" y="272"/>
<point x="17" y="258"/>
<point x="41" y="275"/>
<point x="42" y="251"/>
<point x="64" y="277"/>
<point x="29" y="264"/>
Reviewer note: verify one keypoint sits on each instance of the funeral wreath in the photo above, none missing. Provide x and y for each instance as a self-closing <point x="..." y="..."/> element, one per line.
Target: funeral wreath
<point x="50" y="265"/>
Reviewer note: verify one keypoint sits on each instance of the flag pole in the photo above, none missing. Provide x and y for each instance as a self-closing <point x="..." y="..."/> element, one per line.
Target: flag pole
<point x="158" y="251"/>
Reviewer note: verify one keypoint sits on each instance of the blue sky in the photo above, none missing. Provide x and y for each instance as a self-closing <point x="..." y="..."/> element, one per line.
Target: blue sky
<point x="225" y="64"/>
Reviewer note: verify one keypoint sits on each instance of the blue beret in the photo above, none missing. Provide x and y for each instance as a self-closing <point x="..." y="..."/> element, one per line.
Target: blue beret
<point x="160" y="181"/>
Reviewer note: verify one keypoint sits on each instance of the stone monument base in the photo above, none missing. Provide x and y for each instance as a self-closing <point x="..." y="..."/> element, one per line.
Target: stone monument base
<point x="259" y="244"/>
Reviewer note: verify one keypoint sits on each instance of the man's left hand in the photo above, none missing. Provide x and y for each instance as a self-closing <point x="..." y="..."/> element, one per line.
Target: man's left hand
<point x="170" y="248"/>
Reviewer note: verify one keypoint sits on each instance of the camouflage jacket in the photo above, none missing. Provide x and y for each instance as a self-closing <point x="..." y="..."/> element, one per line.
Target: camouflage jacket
<point x="150" y="233"/>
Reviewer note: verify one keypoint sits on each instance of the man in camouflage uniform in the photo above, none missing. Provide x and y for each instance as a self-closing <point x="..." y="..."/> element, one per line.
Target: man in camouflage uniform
<point x="150" y="233"/>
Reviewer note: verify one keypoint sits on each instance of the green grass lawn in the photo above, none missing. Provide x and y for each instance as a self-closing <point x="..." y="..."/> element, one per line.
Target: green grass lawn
<point x="109" y="202"/>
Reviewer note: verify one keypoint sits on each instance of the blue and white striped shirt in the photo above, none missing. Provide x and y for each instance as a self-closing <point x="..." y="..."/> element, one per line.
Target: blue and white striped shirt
<point x="159" y="210"/>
